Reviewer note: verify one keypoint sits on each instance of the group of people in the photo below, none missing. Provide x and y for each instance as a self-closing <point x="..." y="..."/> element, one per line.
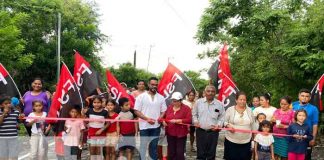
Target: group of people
<point x="287" y="132"/>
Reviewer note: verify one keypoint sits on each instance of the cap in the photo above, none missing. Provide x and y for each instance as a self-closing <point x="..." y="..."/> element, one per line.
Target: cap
<point x="176" y="96"/>
<point x="14" y="101"/>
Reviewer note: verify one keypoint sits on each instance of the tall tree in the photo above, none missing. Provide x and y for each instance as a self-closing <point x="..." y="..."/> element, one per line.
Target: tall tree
<point x="36" y="34"/>
<point x="276" y="46"/>
<point x="127" y="73"/>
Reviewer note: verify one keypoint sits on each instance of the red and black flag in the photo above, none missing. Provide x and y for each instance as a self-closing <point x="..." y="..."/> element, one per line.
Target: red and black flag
<point x="85" y="77"/>
<point x="116" y="89"/>
<point x="317" y="93"/>
<point x="213" y="72"/>
<point x="227" y="89"/>
<point x="66" y="96"/>
<point x="8" y="86"/>
<point x="173" y="80"/>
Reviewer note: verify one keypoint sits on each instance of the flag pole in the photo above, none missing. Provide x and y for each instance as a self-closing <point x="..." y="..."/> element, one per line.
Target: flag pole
<point x="12" y="80"/>
<point x="317" y="82"/>
<point x="75" y="85"/>
<point x="231" y="81"/>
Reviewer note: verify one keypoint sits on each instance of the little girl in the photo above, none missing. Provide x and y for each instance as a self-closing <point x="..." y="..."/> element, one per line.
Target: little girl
<point x="301" y="135"/>
<point x="38" y="143"/>
<point x="263" y="146"/>
<point x="258" y="119"/>
<point x="73" y="136"/>
<point x="96" y="132"/>
<point x="112" y="135"/>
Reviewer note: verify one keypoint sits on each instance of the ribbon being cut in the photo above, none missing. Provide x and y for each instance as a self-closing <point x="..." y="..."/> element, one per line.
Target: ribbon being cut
<point x="160" y="120"/>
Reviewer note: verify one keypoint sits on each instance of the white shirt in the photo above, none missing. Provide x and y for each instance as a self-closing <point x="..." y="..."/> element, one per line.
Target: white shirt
<point x="240" y="122"/>
<point x="267" y="111"/>
<point x="151" y="108"/>
<point x="264" y="140"/>
<point x="34" y="128"/>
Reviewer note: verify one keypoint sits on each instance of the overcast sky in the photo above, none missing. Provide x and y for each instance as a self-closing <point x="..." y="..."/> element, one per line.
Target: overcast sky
<point x="167" y="25"/>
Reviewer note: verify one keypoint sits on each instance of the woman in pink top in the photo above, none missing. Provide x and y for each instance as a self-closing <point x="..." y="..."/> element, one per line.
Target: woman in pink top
<point x="282" y="117"/>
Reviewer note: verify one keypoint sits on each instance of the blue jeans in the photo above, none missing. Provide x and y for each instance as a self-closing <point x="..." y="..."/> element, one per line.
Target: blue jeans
<point x="151" y="137"/>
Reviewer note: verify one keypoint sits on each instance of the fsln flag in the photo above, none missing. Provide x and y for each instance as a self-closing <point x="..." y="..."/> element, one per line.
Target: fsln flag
<point x="317" y="93"/>
<point x="227" y="89"/>
<point x="85" y="77"/>
<point x="116" y="89"/>
<point x="66" y="96"/>
<point x="213" y="72"/>
<point x="173" y="80"/>
<point x="8" y="86"/>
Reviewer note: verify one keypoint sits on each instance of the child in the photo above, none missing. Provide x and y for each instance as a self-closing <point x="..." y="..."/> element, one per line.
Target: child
<point x="127" y="130"/>
<point x="259" y="118"/>
<point x="96" y="134"/>
<point x="73" y="136"/>
<point x="112" y="135"/>
<point x="263" y="146"/>
<point x="301" y="135"/>
<point x="38" y="142"/>
<point x="8" y="130"/>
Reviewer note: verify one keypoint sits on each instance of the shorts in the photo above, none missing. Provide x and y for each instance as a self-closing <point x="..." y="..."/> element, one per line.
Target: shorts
<point x="112" y="139"/>
<point x="127" y="142"/>
<point x="9" y="148"/>
<point x="94" y="139"/>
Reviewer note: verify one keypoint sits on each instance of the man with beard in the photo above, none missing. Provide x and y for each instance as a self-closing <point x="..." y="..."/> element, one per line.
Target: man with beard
<point x="150" y="106"/>
<point x="304" y="97"/>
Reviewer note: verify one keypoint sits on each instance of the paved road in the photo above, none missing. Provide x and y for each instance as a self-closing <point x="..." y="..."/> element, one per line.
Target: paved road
<point x="24" y="146"/>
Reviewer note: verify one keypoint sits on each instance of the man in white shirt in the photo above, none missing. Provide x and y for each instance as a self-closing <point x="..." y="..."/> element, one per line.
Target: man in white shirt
<point x="150" y="106"/>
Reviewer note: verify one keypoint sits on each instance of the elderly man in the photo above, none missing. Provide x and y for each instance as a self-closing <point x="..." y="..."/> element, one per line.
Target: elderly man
<point x="208" y="116"/>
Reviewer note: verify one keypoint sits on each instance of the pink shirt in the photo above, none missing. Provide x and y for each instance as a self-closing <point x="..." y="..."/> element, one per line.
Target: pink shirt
<point x="72" y="138"/>
<point x="286" y="118"/>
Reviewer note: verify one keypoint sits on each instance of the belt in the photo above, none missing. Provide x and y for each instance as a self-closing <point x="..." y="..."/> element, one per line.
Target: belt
<point x="206" y="130"/>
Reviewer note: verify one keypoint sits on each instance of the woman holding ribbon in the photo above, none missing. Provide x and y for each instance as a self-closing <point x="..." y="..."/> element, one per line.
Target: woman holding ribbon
<point x="283" y="117"/>
<point x="176" y="117"/>
<point x="238" y="144"/>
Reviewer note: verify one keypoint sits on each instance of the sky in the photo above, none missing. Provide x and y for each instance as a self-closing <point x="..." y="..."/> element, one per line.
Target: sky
<point x="166" y="27"/>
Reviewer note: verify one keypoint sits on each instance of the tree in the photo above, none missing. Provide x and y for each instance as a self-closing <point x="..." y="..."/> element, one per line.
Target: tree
<point x="198" y="82"/>
<point x="11" y="42"/>
<point x="129" y="74"/>
<point x="35" y="37"/>
<point x="276" y="46"/>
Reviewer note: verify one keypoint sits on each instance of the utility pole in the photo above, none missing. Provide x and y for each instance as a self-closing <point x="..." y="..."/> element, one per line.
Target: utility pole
<point x="58" y="45"/>
<point x="149" y="57"/>
<point x="135" y="59"/>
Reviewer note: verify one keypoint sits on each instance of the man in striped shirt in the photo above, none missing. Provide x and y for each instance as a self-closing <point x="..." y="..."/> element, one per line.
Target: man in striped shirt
<point x="8" y="130"/>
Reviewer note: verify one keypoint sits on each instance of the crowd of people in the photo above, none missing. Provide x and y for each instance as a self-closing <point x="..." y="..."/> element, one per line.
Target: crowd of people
<point x="287" y="132"/>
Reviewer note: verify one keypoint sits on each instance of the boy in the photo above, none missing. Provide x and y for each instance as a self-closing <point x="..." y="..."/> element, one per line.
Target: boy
<point x="127" y="130"/>
<point x="8" y="129"/>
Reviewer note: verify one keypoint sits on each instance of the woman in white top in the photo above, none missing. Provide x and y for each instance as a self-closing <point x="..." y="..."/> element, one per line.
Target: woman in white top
<point x="237" y="144"/>
<point x="265" y="107"/>
<point x="190" y="101"/>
